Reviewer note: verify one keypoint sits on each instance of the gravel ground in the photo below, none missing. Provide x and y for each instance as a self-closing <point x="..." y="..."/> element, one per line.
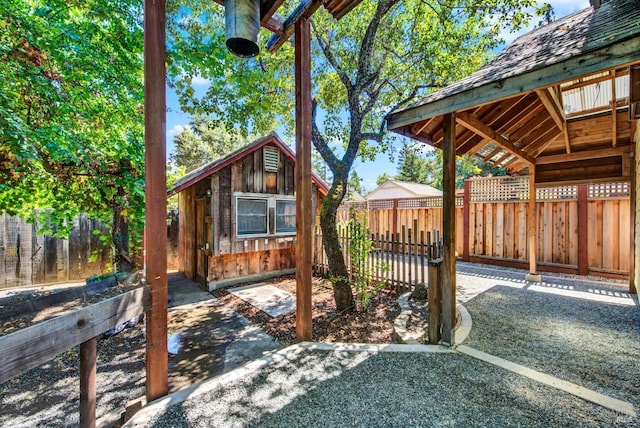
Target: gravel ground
<point x="338" y="389"/>
<point x="593" y="344"/>
<point x="590" y="343"/>
<point x="49" y="396"/>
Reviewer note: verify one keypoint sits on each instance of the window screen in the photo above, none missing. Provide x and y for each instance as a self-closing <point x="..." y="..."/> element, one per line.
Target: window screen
<point x="285" y="216"/>
<point x="251" y="216"/>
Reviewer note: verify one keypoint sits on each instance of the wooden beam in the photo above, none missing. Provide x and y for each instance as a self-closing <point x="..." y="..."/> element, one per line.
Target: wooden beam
<point x="492" y="153"/>
<point x="531" y="223"/>
<point x="88" y="363"/>
<point x="584" y="155"/>
<point x="583" y="230"/>
<point x="29" y="347"/>
<point x="466" y="211"/>
<point x="155" y="124"/>
<point x="305" y="9"/>
<point x="304" y="202"/>
<point x="449" y="229"/>
<point x="552" y="108"/>
<point x="632" y="226"/>
<point x="614" y="110"/>
<point x="567" y="139"/>
<point x="473" y="123"/>
<point x="434" y="296"/>
<point x="615" y="55"/>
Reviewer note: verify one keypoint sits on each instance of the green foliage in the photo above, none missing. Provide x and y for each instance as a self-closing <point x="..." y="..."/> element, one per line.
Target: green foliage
<point x="363" y="267"/>
<point x="384" y="177"/>
<point x="413" y="166"/>
<point x="71" y="111"/>
<point x="203" y="142"/>
<point x="466" y="167"/>
<point x="354" y="186"/>
<point x="381" y="56"/>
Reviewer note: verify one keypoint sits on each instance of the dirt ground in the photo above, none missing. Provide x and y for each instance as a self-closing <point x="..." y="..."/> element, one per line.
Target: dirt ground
<point x="375" y="325"/>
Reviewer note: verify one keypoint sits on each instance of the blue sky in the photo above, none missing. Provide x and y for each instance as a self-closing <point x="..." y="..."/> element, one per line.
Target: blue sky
<point x="177" y="120"/>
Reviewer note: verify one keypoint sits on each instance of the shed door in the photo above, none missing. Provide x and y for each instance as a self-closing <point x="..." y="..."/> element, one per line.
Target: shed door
<point x="202" y="244"/>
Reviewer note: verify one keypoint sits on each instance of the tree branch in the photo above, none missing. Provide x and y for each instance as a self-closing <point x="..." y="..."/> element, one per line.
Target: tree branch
<point x="320" y="143"/>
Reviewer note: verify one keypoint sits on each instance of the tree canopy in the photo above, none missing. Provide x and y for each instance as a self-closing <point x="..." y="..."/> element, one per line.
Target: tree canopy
<point x="380" y="56"/>
<point x="71" y="112"/>
<point x="203" y="142"/>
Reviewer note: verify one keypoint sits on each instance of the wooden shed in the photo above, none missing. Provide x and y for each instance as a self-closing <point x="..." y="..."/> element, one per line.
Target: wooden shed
<point x="237" y="214"/>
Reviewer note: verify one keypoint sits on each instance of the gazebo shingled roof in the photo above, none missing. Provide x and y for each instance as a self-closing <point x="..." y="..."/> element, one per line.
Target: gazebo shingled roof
<point x="515" y="111"/>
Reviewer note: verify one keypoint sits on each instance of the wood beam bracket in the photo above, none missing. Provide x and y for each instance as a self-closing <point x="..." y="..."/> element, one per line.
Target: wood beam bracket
<point x="472" y="122"/>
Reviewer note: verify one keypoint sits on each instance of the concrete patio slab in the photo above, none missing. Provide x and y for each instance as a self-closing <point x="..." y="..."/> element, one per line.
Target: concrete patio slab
<point x="267" y="298"/>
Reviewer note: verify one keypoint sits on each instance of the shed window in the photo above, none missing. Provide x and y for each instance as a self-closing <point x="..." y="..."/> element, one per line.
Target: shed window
<point x="271" y="159"/>
<point x="251" y="216"/>
<point x="285" y="216"/>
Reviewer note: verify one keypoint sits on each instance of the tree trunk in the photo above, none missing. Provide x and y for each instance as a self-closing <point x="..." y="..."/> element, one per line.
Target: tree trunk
<point x="342" y="292"/>
<point x="120" y="237"/>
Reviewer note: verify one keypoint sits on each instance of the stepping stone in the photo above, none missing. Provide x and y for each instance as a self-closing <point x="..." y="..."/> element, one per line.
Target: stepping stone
<point x="267" y="298"/>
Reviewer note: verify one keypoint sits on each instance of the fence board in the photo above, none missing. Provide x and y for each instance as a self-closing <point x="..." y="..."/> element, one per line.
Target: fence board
<point x="28" y="258"/>
<point x="498" y="227"/>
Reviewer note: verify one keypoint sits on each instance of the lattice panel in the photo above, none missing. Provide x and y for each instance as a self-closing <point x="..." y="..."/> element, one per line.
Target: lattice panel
<point x="499" y="189"/>
<point x="380" y="205"/>
<point x="557" y="193"/>
<point x="431" y="202"/>
<point x="609" y="190"/>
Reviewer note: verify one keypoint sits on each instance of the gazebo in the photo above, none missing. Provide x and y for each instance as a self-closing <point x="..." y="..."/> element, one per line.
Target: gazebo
<point x="561" y="104"/>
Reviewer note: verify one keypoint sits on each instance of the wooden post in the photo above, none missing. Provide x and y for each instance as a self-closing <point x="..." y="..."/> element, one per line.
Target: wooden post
<point x="394" y="223"/>
<point x="449" y="229"/>
<point x="531" y="228"/>
<point x="155" y="197"/>
<point x="583" y="231"/>
<point x="88" y="351"/>
<point x="632" y="227"/>
<point x="434" y="296"/>
<point x="466" y="202"/>
<point x="304" y="208"/>
<point x="635" y="254"/>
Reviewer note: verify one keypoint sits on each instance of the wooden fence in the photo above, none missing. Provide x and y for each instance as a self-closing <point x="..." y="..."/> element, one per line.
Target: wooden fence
<point x="582" y="229"/>
<point x="27" y="257"/>
<point x="399" y="261"/>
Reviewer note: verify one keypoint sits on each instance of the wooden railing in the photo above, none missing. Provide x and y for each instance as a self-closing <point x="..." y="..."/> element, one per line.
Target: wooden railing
<point x="32" y="346"/>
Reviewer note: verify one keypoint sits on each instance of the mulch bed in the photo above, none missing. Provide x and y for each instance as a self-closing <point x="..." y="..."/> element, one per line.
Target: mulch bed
<point x="375" y="325"/>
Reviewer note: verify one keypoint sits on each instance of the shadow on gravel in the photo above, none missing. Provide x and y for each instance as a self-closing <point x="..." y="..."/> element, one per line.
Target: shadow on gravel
<point x="595" y="344"/>
<point x="330" y="389"/>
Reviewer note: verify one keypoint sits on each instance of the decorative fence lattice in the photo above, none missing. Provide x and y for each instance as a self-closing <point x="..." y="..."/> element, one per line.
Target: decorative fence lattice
<point x="609" y="190"/>
<point x="556" y="193"/>
<point x="499" y="189"/>
<point x="497" y="218"/>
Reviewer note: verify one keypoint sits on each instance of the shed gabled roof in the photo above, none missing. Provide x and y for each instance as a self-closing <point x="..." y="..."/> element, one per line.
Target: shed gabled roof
<point x="216" y="165"/>
<point x="527" y="106"/>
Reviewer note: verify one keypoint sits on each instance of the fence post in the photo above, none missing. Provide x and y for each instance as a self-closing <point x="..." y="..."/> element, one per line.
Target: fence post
<point x="394" y="220"/>
<point x="583" y="232"/>
<point x="88" y="383"/>
<point x="434" y="296"/>
<point x="465" y="220"/>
